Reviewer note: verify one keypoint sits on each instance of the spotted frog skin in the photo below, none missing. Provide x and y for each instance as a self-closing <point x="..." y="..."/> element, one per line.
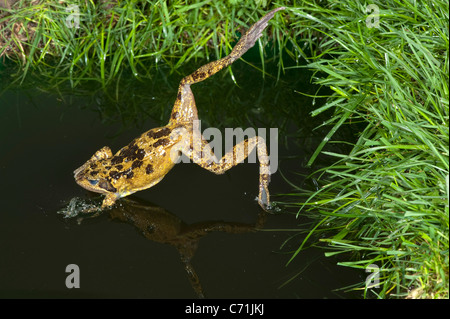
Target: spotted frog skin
<point x="147" y="159"/>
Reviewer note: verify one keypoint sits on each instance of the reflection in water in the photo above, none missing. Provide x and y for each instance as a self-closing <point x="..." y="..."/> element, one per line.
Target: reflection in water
<point x="159" y="225"/>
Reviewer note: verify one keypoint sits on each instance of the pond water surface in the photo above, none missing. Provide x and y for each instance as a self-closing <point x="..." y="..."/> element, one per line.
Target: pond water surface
<point x="192" y="234"/>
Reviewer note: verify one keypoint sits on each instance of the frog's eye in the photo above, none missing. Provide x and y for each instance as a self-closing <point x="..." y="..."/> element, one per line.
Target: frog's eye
<point x="93" y="182"/>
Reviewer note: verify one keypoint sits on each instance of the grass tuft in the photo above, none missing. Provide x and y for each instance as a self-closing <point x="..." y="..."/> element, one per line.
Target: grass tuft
<point x="386" y="202"/>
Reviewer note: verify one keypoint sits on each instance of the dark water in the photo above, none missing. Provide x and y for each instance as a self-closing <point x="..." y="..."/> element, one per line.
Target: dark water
<point x="193" y="232"/>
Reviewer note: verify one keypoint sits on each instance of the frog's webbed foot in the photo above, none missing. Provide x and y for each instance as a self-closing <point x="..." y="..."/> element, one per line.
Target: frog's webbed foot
<point x="95" y="211"/>
<point x="107" y="203"/>
<point x="247" y="41"/>
<point x="254" y="33"/>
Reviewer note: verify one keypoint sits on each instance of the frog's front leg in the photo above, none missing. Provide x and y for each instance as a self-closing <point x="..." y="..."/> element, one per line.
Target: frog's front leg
<point x="109" y="200"/>
<point x="207" y="159"/>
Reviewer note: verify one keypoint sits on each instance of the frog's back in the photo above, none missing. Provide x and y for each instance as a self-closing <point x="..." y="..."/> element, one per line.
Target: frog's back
<point x="143" y="162"/>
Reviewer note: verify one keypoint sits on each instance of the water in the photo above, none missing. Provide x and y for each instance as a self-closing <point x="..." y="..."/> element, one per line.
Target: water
<point x="192" y="234"/>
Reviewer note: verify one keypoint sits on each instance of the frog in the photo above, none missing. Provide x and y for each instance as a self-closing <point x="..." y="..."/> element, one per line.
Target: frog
<point x="148" y="158"/>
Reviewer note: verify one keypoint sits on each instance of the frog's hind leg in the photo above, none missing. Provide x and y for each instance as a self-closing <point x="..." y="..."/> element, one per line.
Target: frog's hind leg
<point x="206" y="159"/>
<point x="184" y="109"/>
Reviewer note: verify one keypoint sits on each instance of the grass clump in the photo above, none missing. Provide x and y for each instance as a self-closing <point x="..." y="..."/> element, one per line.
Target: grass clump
<point x="386" y="202"/>
<point x="97" y="40"/>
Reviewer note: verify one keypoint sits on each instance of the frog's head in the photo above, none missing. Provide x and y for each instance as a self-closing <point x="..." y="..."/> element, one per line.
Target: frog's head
<point x="89" y="175"/>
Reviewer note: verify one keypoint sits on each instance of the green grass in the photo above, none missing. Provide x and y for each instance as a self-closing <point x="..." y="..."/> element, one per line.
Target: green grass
<point x="385" y="202"/>
<point x="131" y="35"/>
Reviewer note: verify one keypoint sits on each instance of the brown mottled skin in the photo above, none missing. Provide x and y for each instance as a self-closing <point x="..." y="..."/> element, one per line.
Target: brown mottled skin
<point x="147" y="159"/>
